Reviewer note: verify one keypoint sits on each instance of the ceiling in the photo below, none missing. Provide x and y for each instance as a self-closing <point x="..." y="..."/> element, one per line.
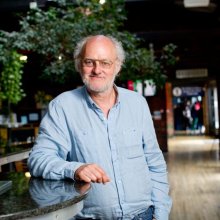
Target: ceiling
<point x="155" y="14"/>
<point x="142" y="15"/>
<point x="170" y="15"/>
<point x="196" y="31"/>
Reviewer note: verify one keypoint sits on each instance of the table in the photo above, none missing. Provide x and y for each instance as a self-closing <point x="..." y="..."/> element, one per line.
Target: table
<point x="9" y="154"/>
<point x="16" y="147"/>
<point x="37" y="199"/>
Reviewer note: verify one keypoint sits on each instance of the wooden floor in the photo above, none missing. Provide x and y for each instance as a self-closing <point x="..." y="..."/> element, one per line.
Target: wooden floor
<point x="194" y="175"/>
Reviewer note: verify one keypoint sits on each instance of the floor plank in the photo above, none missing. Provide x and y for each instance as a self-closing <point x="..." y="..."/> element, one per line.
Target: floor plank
<point x="194" y="175"/>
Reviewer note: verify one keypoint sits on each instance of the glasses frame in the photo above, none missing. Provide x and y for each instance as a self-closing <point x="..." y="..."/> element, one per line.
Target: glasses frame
<point x="94" y="63"/>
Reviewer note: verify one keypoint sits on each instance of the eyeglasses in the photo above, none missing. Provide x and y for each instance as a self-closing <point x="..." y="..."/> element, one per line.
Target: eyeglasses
<point x="105" y="64"/>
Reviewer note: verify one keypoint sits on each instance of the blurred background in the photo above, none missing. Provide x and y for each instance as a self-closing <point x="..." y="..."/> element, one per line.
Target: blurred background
<point x="173" y="59"/>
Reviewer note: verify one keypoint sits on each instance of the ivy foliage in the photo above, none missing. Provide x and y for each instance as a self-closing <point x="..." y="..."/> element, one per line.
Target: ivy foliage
<point x="53" y="33"/>
<point x="11" y="77"/>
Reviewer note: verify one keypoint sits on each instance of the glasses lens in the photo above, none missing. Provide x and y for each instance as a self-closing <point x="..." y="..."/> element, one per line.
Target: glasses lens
<point x="88" y="62"/>
<point x="105" y="64"/>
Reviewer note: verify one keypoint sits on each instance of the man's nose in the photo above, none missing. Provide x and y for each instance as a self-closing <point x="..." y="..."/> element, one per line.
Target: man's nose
<point x="96" y="67"/>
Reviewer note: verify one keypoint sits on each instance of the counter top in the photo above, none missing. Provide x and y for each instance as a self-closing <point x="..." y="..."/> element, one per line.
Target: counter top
<point x="30" y="197"/>
<point x="14" y="153"/>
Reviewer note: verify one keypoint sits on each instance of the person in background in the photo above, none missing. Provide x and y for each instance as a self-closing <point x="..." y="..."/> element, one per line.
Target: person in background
<point x="187" y="115"/>
<point x="102" y="133"/>
<point x="197" y="116"/>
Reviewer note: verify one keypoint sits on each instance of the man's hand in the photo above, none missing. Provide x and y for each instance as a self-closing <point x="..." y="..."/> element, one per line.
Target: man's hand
<point x="91" y="173"/>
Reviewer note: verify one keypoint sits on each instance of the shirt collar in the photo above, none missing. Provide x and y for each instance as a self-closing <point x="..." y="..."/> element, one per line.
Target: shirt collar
<point x="93" y="104"/>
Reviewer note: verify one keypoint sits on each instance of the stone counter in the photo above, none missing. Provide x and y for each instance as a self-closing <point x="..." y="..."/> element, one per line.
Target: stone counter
<point x="33" y="198"/>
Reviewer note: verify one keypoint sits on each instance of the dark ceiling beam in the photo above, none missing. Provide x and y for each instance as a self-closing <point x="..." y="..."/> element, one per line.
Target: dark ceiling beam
<point x="146" y="15"/>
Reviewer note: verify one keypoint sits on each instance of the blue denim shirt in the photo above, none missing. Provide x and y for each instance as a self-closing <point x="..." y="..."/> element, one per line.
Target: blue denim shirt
<point x="75" y="131"/>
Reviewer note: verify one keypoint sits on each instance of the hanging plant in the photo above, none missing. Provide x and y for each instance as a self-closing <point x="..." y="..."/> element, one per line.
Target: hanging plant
<point x="11" y="78"/>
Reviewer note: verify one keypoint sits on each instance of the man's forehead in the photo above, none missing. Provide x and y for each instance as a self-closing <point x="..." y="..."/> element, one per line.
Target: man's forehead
<point x="102" y="46"/>
<point x="99" y="39"/>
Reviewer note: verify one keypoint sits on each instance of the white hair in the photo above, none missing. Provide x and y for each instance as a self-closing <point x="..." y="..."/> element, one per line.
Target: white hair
<point x="81" y="44"/>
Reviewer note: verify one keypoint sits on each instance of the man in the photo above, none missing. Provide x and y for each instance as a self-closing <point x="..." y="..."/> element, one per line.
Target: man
<point x="102" y="133"/>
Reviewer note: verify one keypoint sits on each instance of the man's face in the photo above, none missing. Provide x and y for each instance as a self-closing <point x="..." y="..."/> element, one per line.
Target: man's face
<point x="99" y="65"/>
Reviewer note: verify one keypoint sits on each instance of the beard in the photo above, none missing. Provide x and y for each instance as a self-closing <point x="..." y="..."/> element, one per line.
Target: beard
<point x="98" y="88"/>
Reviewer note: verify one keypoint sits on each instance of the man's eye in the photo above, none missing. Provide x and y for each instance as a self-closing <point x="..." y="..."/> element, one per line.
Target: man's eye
<point x="106" y="64"/>
<point x="88" y="62"/>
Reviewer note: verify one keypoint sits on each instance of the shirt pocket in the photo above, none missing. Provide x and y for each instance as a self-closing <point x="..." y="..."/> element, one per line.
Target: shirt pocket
<point x="84" y="145"/>
<point x="130" y="143"/>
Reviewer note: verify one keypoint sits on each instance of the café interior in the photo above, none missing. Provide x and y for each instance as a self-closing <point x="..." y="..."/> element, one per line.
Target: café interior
<point x="185" y="110"/>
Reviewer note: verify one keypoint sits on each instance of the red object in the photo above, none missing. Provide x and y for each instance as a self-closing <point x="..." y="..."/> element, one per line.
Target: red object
<point x="197" y="106"/>
<point x="130" y="85"/>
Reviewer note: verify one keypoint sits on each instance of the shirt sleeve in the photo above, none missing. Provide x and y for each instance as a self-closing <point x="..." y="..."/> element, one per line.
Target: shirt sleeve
<point x="157" y="167"/>
<point x="49" y="155"/>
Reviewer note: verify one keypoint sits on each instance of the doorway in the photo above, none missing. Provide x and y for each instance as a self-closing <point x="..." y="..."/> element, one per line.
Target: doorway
<point x="195" y="109"/>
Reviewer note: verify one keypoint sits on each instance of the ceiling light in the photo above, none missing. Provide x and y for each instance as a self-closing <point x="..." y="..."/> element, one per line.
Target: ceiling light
<point x="23" y="57"/>
<point x="33" y="5"/>
<point x="196" y="3"/>
<point x="102" y="2"/>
